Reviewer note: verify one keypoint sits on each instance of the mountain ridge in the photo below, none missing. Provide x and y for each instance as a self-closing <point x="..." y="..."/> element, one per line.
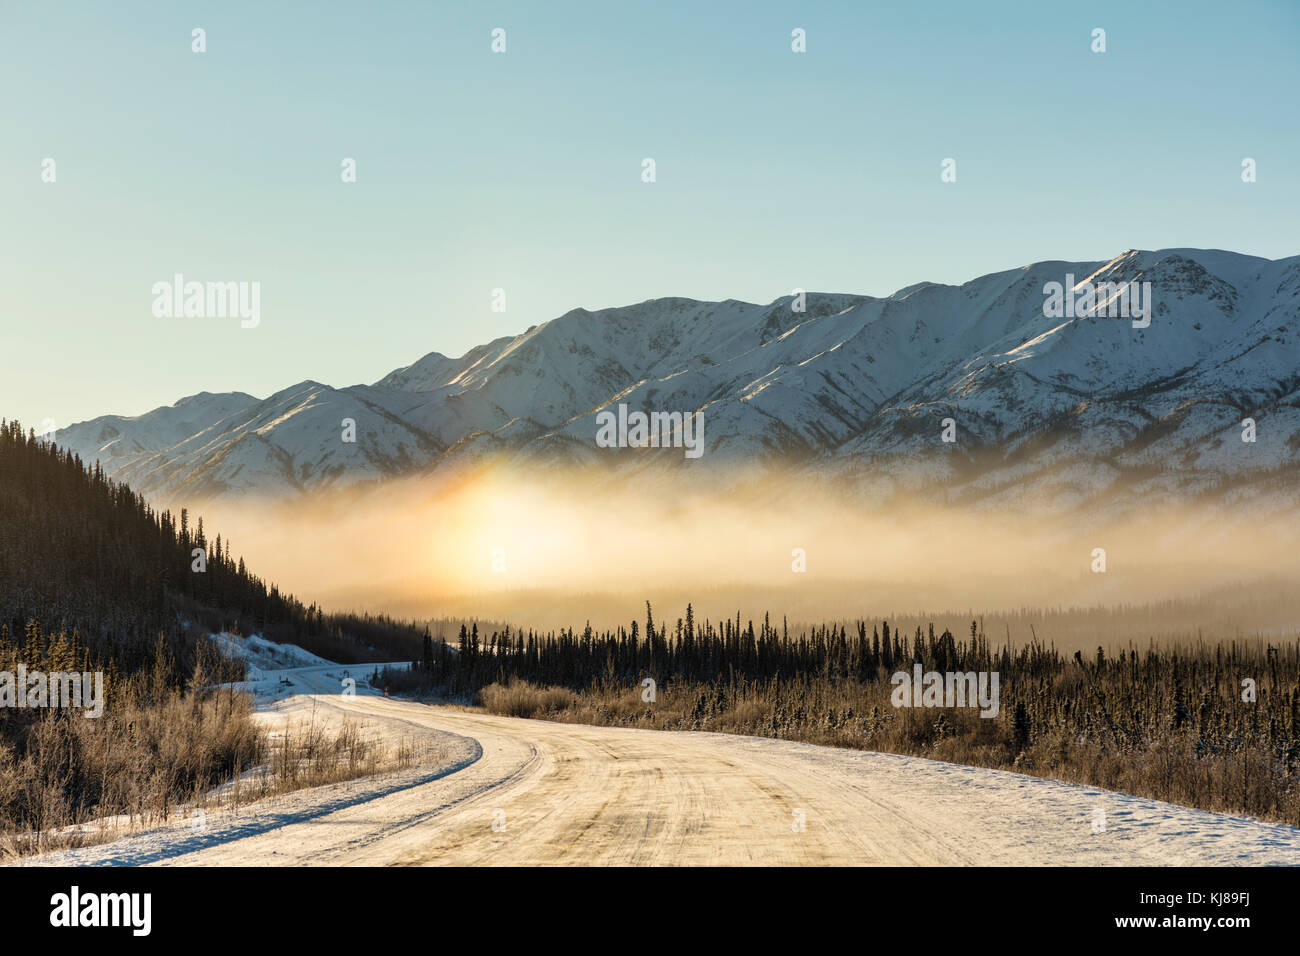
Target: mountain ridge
<point x="855" y="387"/>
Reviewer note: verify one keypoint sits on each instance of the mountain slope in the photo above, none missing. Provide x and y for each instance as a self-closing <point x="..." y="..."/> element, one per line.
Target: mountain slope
<point x="852" y="387"/>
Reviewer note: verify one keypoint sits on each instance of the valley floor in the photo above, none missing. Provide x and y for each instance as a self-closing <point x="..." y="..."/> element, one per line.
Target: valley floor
<point x="507" y="791"/>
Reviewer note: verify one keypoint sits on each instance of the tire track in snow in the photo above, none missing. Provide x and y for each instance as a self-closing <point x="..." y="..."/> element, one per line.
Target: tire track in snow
<point x="578" y="794"/>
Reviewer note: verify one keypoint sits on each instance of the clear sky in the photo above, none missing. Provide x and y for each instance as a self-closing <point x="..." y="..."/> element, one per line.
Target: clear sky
<point x="522" y="170"/>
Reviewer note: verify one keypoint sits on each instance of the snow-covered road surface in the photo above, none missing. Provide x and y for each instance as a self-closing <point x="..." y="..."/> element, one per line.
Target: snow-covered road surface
<point x="528" y="792"/>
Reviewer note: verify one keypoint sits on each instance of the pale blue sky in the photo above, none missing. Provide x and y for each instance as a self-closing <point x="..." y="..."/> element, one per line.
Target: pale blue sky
<point x="522" y="170"/>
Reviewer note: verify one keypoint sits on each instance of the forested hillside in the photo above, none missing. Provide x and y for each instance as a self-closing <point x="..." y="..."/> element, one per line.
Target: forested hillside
<point x="93" y="579"/>
<point x="81" y="553"/>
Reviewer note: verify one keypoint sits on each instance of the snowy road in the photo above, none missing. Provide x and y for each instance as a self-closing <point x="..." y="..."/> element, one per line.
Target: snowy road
<point x="526" y="792"/>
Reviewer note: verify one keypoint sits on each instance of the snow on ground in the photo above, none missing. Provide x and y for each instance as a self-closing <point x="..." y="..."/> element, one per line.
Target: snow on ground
<point x="301" y="701"/>
<point x="528" y="792"/>
<point x="191" y="831"/>
<point x="264" y="654"/>
<point x="278" y="671"/>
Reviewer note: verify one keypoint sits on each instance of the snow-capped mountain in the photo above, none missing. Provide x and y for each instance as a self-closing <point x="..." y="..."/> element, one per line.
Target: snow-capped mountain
<point x="853" y="387"/>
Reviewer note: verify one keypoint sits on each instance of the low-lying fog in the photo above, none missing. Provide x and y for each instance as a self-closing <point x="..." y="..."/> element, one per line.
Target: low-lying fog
<point x="552" y="548"/>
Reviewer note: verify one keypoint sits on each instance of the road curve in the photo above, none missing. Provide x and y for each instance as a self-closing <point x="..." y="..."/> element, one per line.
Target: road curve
<point x="529" y="792"/>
